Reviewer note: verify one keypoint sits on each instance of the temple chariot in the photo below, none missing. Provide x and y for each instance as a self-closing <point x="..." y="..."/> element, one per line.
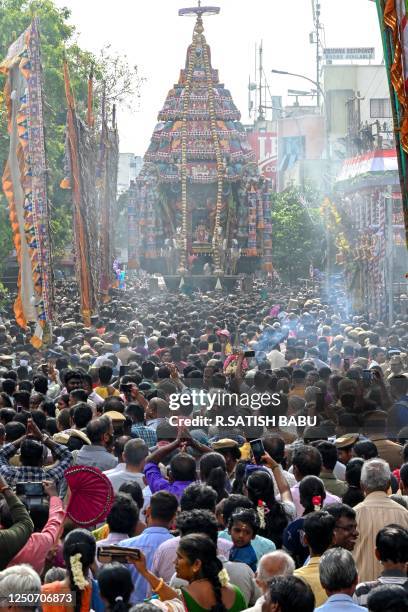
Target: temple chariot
<point x="200" y="206"/>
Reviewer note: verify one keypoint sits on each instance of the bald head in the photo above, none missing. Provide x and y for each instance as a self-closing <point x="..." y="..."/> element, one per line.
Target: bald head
<point x="277" y="563"/>
<point x="158" y="408"/>
<point x="135" y="452"/>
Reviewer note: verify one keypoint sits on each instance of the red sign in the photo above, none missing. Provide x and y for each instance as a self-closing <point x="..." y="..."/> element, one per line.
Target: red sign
<point x="265" y="147"/>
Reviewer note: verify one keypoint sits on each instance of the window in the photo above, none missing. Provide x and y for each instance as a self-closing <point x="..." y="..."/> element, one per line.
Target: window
<point x="293" y="149"/>
<point x="337" y="110"/>
<point x="294" y="145"/>
<point x="380" y="108"/>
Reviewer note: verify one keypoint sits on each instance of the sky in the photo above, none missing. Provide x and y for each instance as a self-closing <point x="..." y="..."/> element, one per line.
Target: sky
<point x="154" y="37"/>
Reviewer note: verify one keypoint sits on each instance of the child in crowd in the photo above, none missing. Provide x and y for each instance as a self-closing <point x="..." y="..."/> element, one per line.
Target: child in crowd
<point x="243" y="527"/>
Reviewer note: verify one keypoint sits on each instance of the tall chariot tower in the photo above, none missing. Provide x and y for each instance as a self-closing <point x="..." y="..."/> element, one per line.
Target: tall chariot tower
<point x="200" y="205"/>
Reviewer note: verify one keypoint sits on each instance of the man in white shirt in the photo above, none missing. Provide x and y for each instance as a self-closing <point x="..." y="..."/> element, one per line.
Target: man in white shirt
<point x="134" y="454"/>
<point x="276" y="359"/>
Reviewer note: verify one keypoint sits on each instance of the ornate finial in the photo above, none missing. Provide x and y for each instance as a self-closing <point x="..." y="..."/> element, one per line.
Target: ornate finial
<point x="199" y="10"/>
<point x="199" y="27"/>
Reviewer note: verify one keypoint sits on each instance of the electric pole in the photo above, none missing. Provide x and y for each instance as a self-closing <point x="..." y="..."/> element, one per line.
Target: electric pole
<point x="261" y="115"/>
<point x="316" y="41"/>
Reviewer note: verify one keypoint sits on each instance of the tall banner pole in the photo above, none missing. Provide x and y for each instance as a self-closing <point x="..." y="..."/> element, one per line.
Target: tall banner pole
<point x="25" y="184"/>
<point x="82" y="267"/>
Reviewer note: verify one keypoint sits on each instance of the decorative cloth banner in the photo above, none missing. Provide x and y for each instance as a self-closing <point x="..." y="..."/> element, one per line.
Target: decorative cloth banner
<point x="82" y="153"/>
<point x="25" y="184"/>
<point x="107" y="198"/>
<point x="252" y="197"/>
<point x="149" y="236"/>
<point x="393" y="17"/>
<point x="382" y="260"/>
<point x="133" y="229"/>
<point x="267" y="264"/>
<point x="373" y="161"/>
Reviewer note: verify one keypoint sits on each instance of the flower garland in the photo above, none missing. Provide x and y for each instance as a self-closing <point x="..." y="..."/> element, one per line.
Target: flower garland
<point x="184" y="210"/>
<point x="220" y="164"/>
<point x="77" y="572"/>
<point x="330" y="211"/>
<point x="261" y="513"/>
<point x="267" y="231"/>
<point x="198" y="39"/>
<point x="252" y="200"/>
<point x="223" y="577"/>
<point x="381" y="269"/>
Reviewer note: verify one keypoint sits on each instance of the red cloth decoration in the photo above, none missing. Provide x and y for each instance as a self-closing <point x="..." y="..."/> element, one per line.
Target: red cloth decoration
<point x="91" y="497"/>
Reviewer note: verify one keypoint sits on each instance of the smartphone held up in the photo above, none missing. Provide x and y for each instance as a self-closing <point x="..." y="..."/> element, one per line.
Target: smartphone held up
<point x="258" y="450"/>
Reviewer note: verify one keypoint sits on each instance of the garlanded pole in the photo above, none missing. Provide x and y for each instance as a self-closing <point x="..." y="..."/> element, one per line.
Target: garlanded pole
<point x="79" y="228"/>
<point x="81" y="166"/>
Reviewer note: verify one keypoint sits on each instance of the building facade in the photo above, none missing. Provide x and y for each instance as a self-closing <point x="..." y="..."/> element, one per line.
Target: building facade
<point x="370" y="242"/>
<point x="129" y="168"/>
<point x="358" y="110"/>
<point x="291" y="149"/>
<point x="346" y="150"/>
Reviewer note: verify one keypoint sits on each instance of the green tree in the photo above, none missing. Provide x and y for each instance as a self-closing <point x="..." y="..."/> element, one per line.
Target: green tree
<point x="58" y="40"/>
<point x="297" y="232"/>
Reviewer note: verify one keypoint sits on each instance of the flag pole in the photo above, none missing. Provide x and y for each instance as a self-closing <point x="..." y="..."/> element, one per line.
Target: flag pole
<point x="79" y="231"/>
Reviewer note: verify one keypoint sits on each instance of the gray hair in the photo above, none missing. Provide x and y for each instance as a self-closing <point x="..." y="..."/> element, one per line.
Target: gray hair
<point x="21" y="579"/>
<point x="375" y="475"/>
<point x="135" y="451"/>
<point x="54" y="574"/>
<point x="145" y="607"/>
<point x="285" y="566"/>
<point x="337" y="570"/>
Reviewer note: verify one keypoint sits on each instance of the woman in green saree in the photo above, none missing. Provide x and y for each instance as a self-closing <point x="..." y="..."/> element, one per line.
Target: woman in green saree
<point x="208" y="588"/>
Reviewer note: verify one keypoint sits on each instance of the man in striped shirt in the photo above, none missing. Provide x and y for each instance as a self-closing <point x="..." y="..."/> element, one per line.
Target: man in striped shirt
<point x="391" y="548"/>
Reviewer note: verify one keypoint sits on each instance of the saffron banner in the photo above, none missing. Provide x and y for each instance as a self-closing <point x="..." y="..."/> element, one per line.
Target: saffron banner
<point x="25" y="184"/>
<point x="82" y="163"/>
<point x="108" y="179"/>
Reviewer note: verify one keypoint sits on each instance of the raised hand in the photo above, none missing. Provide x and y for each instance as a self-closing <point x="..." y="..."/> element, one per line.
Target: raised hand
<point x="49" y="488"/>
<point x="33" y="431"/>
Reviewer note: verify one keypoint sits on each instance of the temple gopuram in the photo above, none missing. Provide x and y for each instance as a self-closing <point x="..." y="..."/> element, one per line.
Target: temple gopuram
<point x="200" y="206"/>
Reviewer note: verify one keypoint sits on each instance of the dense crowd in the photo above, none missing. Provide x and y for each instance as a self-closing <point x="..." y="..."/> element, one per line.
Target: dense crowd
<point x="205" y="452"/>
